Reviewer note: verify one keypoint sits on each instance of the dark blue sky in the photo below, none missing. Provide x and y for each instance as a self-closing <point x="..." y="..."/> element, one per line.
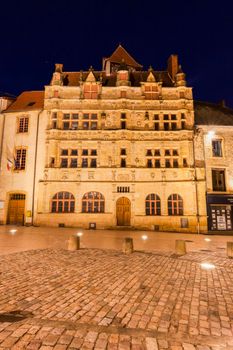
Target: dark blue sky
<point x="37" y="34"/>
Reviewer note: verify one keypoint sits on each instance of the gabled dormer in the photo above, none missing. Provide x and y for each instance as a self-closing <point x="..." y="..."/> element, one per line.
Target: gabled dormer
<point x="151" y="89"/>
<point x="90" y="86"/>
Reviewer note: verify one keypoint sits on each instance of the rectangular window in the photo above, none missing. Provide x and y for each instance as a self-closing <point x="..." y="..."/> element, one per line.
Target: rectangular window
<point x="123" y="94"/>
<point x="85" y="152"/>
<point x="149" y="163"/>
<point x="64" y="162"/>
<point x="156" y="126"/>
<point x="20" y="159"/>
<point x="74" y="152"/>
<point x="217" y="148"/>
<point x="93" y="152"/>
<point x="123" y="115"/>
<point x="167" y="163"/>
<point x="93" y="163"/>
<point x="218" y="179"/>
<point x="90" y="91"/>
<point x="151" y="92"/>
<point x="175" y="163"/>
<point x="166" y="117"/>
<point x="84" y="162"/>
<point x="156" y="117"/>
<point x="173" y="117"/>
<point x="23" y="124"/>
<point x="123" y="163"/>
<point x="123" y="151"/>
<point x="64" y="152"/>
<point x="74" y="163"/>
<point x="166" y="126"/>
<point x="157" y="163"/>
<point x="123" y="125"/>
<point x="174" y="127"/>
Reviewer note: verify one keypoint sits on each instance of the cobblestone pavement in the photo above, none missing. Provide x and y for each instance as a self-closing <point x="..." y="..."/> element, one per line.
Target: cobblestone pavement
<point x="103" y="299"/>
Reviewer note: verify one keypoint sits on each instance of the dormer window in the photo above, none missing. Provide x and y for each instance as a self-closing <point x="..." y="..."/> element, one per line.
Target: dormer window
<point x="90" y="91"/>
<point x="123" y="75"/>
<point x="151" y="92"/>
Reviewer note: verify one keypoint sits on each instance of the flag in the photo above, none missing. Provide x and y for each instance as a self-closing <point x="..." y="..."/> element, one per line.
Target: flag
<point x="10" y="159"/>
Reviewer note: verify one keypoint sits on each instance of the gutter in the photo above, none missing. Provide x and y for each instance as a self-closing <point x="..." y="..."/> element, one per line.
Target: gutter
<point x="35" y="163"/>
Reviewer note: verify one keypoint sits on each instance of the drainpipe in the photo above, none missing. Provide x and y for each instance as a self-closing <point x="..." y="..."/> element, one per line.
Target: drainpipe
<point x="34" y="176"/>
<point x="196" y="187"/>
<point x="3" y="130"/>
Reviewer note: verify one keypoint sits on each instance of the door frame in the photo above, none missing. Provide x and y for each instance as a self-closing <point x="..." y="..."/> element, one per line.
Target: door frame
<point x="8" y="205"/>
<point x="130" y="207"/>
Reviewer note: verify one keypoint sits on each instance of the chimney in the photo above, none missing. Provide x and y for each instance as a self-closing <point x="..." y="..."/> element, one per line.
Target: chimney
<point x="58" y="67"/>
<point x="172" y="65"/>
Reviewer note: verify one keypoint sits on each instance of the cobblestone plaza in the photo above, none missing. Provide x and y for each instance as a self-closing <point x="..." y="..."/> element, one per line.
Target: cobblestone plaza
<point x="93" y="298"/>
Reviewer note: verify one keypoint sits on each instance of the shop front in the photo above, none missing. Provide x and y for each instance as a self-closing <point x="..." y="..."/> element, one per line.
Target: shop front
<point x="220" y="212"/>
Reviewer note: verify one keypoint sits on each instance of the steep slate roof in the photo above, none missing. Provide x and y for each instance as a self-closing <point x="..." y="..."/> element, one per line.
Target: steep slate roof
<point x="120" y="54"/>
<point x="73" y="78"/>
<point x="27" y="101"/>
<point x="207" y="113"/>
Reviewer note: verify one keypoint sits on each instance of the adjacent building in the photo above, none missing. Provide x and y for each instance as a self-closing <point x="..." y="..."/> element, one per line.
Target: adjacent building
<point x="121" y="147"/>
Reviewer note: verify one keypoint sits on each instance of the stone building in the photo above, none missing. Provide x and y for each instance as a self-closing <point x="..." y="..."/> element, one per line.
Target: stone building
<point x="214" y="140"/>
<point x="106" y="149"/>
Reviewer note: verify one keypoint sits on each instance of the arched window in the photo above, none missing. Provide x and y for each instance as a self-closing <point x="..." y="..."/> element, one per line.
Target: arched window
<point x="153" y="204"/>
<point x="175" y="205"/>
<point x="93" y="202"/>
<point x="63" y="202"/>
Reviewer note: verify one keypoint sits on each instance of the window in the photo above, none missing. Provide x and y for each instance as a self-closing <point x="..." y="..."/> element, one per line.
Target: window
<point x="90" y="91"/>
<point x="70" y="121"/>
<point x="123" y="75"/>
<point x="90" y="121"/>
<point x="217" y="148"/>
<point x="174" y="126"/>
<point x="123" y="125"/>
<point x="175" y="205"/>
<point x="123" y="115"/>
<point x="123" y="189"/>
<point x="151" y="92"/>
<point x="166" y="126"/>
<point x="123" y="163"/>
<point x="20" y="159"/>
<point x="54" y="120"/>
<point x="23" y="124"/>
<point x="157" y="163"/>
<point x="149" y="163"/>
<point x="153" y="204"/>
<point x="89" y="158"/>
<point x="166" y="117"/>
<point x="157" y="152"/>
<point x="173" y="117"/>
<point x="167" y="152"/>
<point x="149" y="152"/>
<point x="156" y="126"/>
<point x="69" y="158"/>
<point x="123" y="94"/>
<point x="93" y="202"/>
<point x="167" y="163"/>
<point x="218" y="179"/>
<point x="185" y="164"/>
<point x="123" y="151"/>
<point x="156" y="117"/>
<point x="182" y="125"/>
<point x="63" y="202"/>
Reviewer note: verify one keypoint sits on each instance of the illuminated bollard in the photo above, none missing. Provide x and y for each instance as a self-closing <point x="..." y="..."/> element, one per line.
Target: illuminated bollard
<point x="230" y="249"/>
<point x="74" y="242"/>
<point x="127" y="245"/>
<point x="180" y="247"/>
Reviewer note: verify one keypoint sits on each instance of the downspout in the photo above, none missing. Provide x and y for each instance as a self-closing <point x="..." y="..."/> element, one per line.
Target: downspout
<point x="196" y="188"/>
<point x="2" y="135"/>
<point x="34" y="176"/>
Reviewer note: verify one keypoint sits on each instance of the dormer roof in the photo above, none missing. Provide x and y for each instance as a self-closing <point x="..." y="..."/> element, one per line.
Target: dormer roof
<point x="121" y="54"/>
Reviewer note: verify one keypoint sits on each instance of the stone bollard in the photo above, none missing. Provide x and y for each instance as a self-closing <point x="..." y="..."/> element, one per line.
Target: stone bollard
<point x="230" y="249"/>
<point x="74" y="242"/>
<point x="180" y="247"/>
<point x="127" y="245"/>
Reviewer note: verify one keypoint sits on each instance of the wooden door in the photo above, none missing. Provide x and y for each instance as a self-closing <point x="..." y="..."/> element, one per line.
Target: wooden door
<point x="16" y="209"/>
<point x="123" y="211"/>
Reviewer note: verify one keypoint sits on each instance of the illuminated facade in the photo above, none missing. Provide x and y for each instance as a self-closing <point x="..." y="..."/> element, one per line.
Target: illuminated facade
<point x="106" y="149"/>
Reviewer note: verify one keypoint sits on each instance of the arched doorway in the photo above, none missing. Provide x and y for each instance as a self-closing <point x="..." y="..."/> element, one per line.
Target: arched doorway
<point x="16" y="209"/>
<point x="123" y="211"/>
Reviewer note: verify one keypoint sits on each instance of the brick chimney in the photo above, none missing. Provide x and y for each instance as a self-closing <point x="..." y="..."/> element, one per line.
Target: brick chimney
<point x="172" y="65"/>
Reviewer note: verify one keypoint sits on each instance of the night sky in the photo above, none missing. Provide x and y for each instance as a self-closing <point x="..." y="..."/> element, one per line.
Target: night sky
<point x="37" y="34"/>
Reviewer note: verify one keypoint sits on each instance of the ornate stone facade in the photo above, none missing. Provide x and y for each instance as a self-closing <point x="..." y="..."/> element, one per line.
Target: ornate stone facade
<point x="106" y="149"/>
